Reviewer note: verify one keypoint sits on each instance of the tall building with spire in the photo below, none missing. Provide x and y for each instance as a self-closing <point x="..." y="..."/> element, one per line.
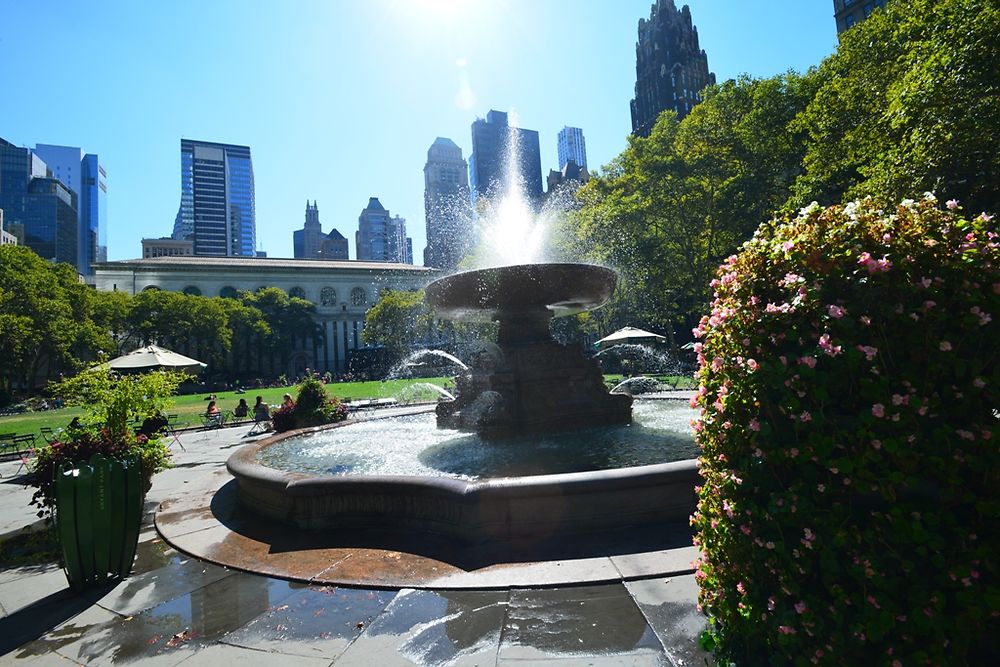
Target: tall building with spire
<point x="572" y="147"/>
<point x="488" y="168"/>
<point x="217" y="209"/>
<point x="306" y="242"/>
<point x="447" y="212"/>
<point x="670" y="68"/>
<point x="381" y="237"/>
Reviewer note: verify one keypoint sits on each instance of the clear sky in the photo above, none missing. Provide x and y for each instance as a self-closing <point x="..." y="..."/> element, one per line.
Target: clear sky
<point x="339" y="100"/>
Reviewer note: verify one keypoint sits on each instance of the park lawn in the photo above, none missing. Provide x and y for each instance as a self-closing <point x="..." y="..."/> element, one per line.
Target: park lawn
<point x="189" y="408"/>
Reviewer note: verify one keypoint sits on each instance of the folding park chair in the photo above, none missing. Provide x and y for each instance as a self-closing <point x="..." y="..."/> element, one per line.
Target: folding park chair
<point x="7" y="445"/>
<point x="48" y="434"/>
<point x="260" y="425"/>
<point x="213" y="421"/>
<point x="22" y="446"/>
<point x="173" y="430"/>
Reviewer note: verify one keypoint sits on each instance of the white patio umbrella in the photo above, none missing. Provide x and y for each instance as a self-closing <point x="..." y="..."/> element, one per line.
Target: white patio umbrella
<point x="150" y="357"/>
<point x="629" y="334"/>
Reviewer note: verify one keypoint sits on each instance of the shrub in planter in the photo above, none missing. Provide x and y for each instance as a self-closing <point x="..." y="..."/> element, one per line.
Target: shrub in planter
<point x="311" y="408"/>
<point x="113" y="403"/>
<point x="849" y="378"/>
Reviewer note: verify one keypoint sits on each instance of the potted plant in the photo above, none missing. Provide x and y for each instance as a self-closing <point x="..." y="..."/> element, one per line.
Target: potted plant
<point x="848" y="394"/>
<point x="94" y="475"/>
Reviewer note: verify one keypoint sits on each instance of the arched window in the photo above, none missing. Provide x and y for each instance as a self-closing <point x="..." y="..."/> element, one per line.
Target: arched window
<point x="358" y="297"/>
<point x="191" y="290"/>
<point x="297" y="293"/>
<point x="228" y="292"/>
<point x="150" y="288"/>
<point x="328" y="296"/>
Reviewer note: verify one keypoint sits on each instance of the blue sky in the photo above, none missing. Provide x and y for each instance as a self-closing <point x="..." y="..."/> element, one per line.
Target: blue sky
<point x="340" y="100"/>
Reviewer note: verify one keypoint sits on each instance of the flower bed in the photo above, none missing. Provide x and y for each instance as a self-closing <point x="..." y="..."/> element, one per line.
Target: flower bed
<point x="848" y="387"/>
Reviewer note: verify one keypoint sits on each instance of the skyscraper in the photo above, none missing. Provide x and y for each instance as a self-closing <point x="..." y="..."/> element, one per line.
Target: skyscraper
<point x="334" y="246"/>
<point x="85" y="176"/>
<point x="381" y="237"/>
<point x="307" y="242"/>
<point x="40" y="207"/>
<point x="446" y="205"/>
<point x="488" y="164"/>
<point x="670" y="68"/>
<point x="848" y="13"/>
<point x="217" y="206"/>
<point x="572" y="147"/>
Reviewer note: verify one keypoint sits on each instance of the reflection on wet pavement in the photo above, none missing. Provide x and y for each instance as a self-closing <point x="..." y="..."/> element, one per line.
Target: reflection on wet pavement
<point x="435" y="628"/>
<point x="599" y="621"/>
<point x="314" y="622"/>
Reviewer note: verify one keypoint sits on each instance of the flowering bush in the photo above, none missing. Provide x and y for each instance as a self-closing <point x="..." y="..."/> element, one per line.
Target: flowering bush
<point x="312" y="408"/>
<point x="848" y="385"/>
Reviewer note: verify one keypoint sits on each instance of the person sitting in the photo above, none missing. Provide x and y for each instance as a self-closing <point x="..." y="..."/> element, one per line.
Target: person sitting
<point x="287" y="402"/>
<point x="213" y="417"/>
<point x="242" y="409"/>
<point x="152" y="425"/>
<point x="261" y="412"/>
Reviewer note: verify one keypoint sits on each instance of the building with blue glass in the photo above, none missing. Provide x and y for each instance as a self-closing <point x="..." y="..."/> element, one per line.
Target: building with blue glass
<point x="572" y="147"/>
<point x="84" y="174"/>
<point x="381" y="237"/>
<point x="217" y="210"/>
<point x="489" y="166"/>
<point x="38" y="208"/>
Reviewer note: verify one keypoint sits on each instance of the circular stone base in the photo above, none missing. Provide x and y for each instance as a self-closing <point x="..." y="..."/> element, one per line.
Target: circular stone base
<point x="209" y="524"/>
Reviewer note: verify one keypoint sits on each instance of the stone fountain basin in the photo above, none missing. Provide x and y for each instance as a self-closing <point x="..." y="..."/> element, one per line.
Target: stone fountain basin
<point x="469" y="512"/>
<point x="564" y="289"/>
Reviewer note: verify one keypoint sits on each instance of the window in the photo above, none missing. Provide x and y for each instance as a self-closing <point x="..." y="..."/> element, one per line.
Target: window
<point x="358" y="297"/>
<point x="868" y="10"/>
<point x="849" y="20"/>
<point x="297" y="293"/>
<point x="228" y="292"/>
<point x="328" y="296"/>
<point x="191" y="290"/>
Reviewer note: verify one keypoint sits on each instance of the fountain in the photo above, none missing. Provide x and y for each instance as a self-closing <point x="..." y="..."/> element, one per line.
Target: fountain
<point x="526" y="385"/>
<point x="534" y="385"/>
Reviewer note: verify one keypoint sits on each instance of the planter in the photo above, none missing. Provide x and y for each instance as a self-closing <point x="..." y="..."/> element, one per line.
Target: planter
<point x="98" y="512"/>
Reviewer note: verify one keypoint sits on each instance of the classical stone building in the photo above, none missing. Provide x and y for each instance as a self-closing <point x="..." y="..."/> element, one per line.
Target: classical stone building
<point x="167" y="247"/>
<point x="670" y="67"/>
<point x="849" y="13"/>
<point x="342" y="291"/>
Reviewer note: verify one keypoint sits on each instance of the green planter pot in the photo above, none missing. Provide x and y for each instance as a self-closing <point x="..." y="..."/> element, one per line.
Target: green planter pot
<point x="98" y="511"/>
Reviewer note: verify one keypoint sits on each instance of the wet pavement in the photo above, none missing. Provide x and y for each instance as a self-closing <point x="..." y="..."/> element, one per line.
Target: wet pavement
<point x="177" y="609"/>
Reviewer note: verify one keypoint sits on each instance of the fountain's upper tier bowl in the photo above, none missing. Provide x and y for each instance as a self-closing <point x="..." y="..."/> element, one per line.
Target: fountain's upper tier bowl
<point x="565" y="289"/>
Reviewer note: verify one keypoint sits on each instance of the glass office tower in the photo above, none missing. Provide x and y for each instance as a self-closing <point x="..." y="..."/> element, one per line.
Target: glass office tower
<point x="217" y="209"/>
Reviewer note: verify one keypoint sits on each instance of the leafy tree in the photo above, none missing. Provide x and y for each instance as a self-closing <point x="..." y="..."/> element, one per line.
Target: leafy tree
<point x="288" y="319"/>
<point x="397" y="320"/>
<point x="910" y="102"/>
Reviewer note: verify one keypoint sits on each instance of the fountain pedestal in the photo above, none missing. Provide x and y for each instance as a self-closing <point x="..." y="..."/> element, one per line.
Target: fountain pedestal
<point x="528" y="383"/>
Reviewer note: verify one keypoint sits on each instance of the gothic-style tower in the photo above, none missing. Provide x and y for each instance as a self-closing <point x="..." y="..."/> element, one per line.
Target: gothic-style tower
<point x="670" y="68"/>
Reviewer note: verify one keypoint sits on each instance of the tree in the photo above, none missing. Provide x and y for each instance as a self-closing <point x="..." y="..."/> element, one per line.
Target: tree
<point x="396" y="321"/>
<point x="909" y="103"/>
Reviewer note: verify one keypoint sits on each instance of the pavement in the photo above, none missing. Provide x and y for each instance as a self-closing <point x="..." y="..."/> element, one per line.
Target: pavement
<point x="178" y="609"/>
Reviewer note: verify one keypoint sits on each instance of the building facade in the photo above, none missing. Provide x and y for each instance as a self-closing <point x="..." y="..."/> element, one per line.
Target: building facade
<point x="6" y="238"/>
<point x="670" y="68"/>
<point x="382" y="237"/>
<point x="447" y="210"/>
<point x="849" y="13"/>
<point x="341" y="291"/>
<point x="84" y="174"/>
<point x="572" y="146"/>
<point x="217" y="209"/>
<point x="307" y="242"/>
<point x="167" y="247"/>
<point x="38" y="208"/>
<point x="494" y="144"/>
<point x="334" y="246"/>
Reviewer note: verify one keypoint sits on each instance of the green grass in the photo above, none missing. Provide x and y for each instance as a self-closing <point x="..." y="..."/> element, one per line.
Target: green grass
<point x="190" y="408"/>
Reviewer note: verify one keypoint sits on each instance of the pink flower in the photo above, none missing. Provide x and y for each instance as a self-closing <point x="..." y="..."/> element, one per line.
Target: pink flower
<point x="801" y="607"/>
<point x="878" y="410"/>
<point x="985" y="217"/>
<point x="805" y="416"/>
<point x="808" y="361"/>
<point x="945" y="346"/>
<point x="787" y="245"/>
<point x="869" y="351"/>
<point x="952" y="204"/>
<point x="754" y="425"/>
<point x="877" y="444"/>
<point x="786" y="629"/>
<point x="716" y="363"/>
<point x="752" y="365"/>
<point x="836" y="312"/>
<point x="926" y="282"/>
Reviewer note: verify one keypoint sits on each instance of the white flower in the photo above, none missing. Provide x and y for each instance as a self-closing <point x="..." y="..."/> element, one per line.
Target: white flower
<point x="814" y="206"/>
<point x="930" y="196"/>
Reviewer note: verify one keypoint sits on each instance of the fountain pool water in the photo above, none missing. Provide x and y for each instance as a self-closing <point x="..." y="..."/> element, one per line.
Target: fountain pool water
<point x="411" y="445"/>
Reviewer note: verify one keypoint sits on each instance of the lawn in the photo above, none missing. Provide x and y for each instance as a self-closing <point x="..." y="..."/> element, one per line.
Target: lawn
<point x="190" y="408"/>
